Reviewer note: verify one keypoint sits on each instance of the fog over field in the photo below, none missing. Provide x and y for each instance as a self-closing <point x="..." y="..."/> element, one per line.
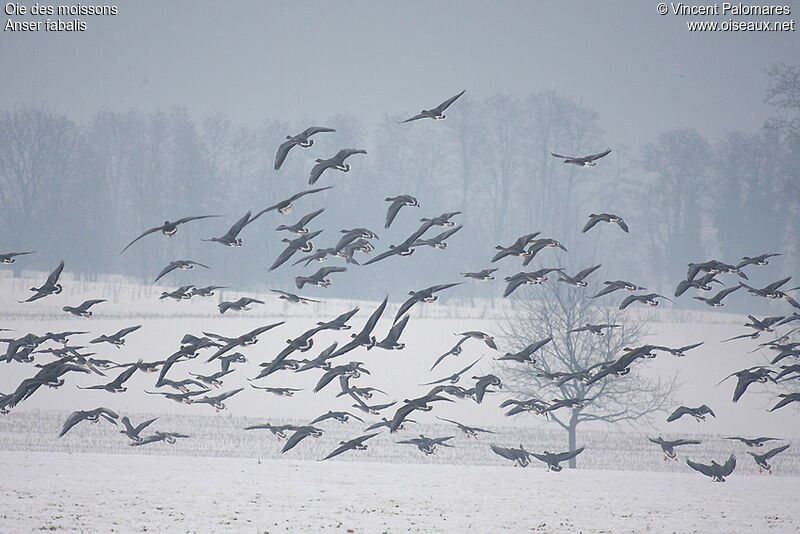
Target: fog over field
<point x="481" y="236"/>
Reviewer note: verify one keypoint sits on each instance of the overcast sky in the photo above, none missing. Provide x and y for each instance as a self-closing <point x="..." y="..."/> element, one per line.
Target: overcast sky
<point x="642" y="72"/>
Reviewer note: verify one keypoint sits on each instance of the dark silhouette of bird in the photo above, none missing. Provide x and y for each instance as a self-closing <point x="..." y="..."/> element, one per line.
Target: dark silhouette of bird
<point x="115" y="386"/>
<point x="281" y="392"/>
<point x="216" y="400"/>
<point x="248" y="338"/>
<point x="554" y="459"/>
<point x="334" y="162"/>
<point x="526" y="354"/>
<point x="482" y="384"/>
<point x="92" y="416"/>
<point x="303" y="140"/>
<point x="391" y="341"/>
<point x="751" y="442"/>
<point x="230" y="238"/>
<point x="300" y="433"/>
<point x="291" y="297"/>
<point x="168" y="437"/>
<point x="612" y="286"/>
<point x="397" y="203"/>
<point x="403" y="249"/>
<point x="469" y="431"/>
<point x="178" y="264"/>
<point x="299" y="227"/>
<point x="133" y="431"/>
<point x="437" y="241"/>
<point x="607" y="218"/>
<point x="82" y="310"/>
<point x="423" y="295"/>
<point x="762" y="259"/>
<point x="579" y="279"/>
<point x="364" y="338"/>
<point x="207" y="291"/>
<point x="596" y="329"/>
<point x="716" y="300"/>
<point x="761" y="459"/>
<point x="352" y="369"/>
<point x="526" y="278"/>
<point x="410" y="405"/>
<point x="520" y="456"/>
<point x="116" y="339"/>
<point x="355" y="444"/>
<point x="182" y="293"/>
<point x="169" y="228"/>
<point x="50" y="286"/>
<point x="714" y="470"/>
<point x="698" y="413"/>
<point x="786" y="398"/>
<point x="517" y="248"/>
<point x="669" y="446"/>
<point x="441" y="220"/>
<point x="583" y="161"/>
<point x="240" y="304"/>
<point x="455" y="377"/>
<point x="302" y="243"/>
<point x="650" y="299"/>
<point x="340" y="322"/>
<point x="340" y="416"/>
<point x="215" y="379"/>
<point x="8" y="257"/>
<point x="455" y="351"/>
<point x="285" y="206"/>
<point x="427" y="445"/>
<point x="680" y="351"/>
<point x="319" y="278"/>
<point x="484" y="275"/>
<point x="436" y="113"/>
<point x="703" y="283"/>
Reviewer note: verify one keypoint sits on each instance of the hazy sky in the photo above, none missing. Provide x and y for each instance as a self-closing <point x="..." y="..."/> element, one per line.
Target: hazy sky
<point x="642" y="72"/>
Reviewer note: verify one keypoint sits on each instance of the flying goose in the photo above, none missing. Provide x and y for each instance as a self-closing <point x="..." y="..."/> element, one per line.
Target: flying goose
<point x="390" y="342"/>
<point x="299" y="227"/>
<point x="762" y="259"/>
<point x="520" y="456"/>
<point x="334" y="162"/>
<point x="207" y="291"/>
<point x="216" y="400"/>
<point x="482" y="384"/>
<point x="455" y="351"/>
<point x="526" y="278"/>
<point x="526" y="354"/>
<point x="538" y="245"/>
<point x="300" y="433"/>
<point x="115" y="386"/>
<point x="83" y="309"/>
<point x="405" y="248"/>
<point x="752" y="442"/>
<point x="248" y="338"/>
<point x="215" y="379"/>
<point x="178" y="264"/>
<point x="437" y="241"/>
<point x="716" y="300"/>
<point x="281" y="392"/>
<point x="596" y="329"/>
<point x="319" y="278"/>
<point x="423" y="295"/>
<point x="578" y="279"/>
<point x="92" y="416"/>
<point x="484" y="275"/>
<point x="8" y="257"/>
<point x="342" y="417"/>
<point x="340" y="322"/>
<point x="182" y="293"/>
<point x="169" y="228"/>
<point x="50" y="286"/>
<point x="285" y="206"/>
<point x="364" y="337"/>
<point x="355" y="444"/>
<point x="669" y="446"/>
<point x="517" y="248"/>
<point x="230" y="238"/>
<point x="397" y="203"/>
<point x="291" y="297"/>
<point x="353" y="369"/>
<point x="455" y="377"/>
<point x="607" y="218"/>
<point x="703" y="283"/>
<point x="410" y="405"/>
<point x="584" y="161"/>
<point x="553" y="459"/>
<point x="168" y="437"/>
<point x="612" y="286"/>
<point x="302" y="243"/>
<point x="116" y="339"/>
<point x="436" y="113"/>
<point x="303" y="140"/>
<point x="786" y="398"/>
<point x="649" y="299"/>
<point x="714" y="470"/>
<point x="761" y="459"/>
<point x="427" y="445"/>
<point x="241" y="304"/>
<point x="698" y="413"/>
<point x="469" y="431"/>
<point x="133" y="431"/>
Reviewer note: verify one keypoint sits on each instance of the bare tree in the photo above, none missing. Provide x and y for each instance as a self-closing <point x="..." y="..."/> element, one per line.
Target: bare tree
<point x="555" y="310"/>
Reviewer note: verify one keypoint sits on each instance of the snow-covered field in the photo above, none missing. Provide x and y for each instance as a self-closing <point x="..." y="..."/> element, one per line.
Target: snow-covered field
<point x="111" y="493"/>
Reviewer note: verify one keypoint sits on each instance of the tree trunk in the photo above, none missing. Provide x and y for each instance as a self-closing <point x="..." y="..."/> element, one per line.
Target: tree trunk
<point x="572" y="431"/>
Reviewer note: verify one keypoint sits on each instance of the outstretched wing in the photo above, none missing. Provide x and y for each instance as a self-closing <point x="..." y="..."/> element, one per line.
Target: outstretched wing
<point x="444" y="105"/>
<point x="146" y="232"/>
<point x="317" y="170"/>
<point x="373" y="319"/>
<point x="193" y="218"/>
<point x="283" y="150"/>
<point x="703" y="468"/>
<point x="589" y="225"/>
<point x="597" y="156"/>
<point x="394" y="208"/>
<point x="777" y="450"/>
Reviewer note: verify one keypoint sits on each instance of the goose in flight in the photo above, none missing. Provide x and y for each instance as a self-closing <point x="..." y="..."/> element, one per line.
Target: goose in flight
<point x="207" y="291"/>
<point x="405" y="248"/>
<point x="714" y="470"/>
<point x="427" y="445"/>
<point x="442" y="220"/>
<point x="703" y="283"/>
<point x="680" y="352"/>
<point x="761" y="459"/>
<point x="92" y="416"/>
<point x="364" y="338"/>
<point x="698" y="413"/>
<point x="455" y="377"/>
<point x="285" y="206"/>
<point x="300" y="433"/>
<point x="116" y="339"/>
<point x="241" y="304"/>
<point x="182" y="293"/>
<point x="248" y="338"/>
<point x="762" y="259"/>
<point x="215" y="380"/>
<point x="751" y="442"/>
<point x="484" y="275"/>
<point x="303" y="140"/>
<point x="230" y="238"/>
<point x="342" y="417"/>
<point x="437" y="241"/>
<point x="50" y="286"/>
<point x="482" y="385"/>
<point x="299" y="227"/>
<point x="517" y="248"/>
<point x="319" y="278"/>
<point x="716" y="300"/>
<point x="480" y="336"/>
<point x="302" y="243"/>
<point x="583" y="161"/>
<point x="352" y="369"/>
<point x="596" y="329"/>
<point x="8" y="257"/>
<point x="436" y="113"/>
<point x="420" y="403"/>
<point x="169" y="228"/>
<point x="291" y="297"/>
<point x="469" y="431"/>
<point x="607" y="218"/>
<point x="614" y="285"/>
<point x="669" y="446"/>
<point x="281" y="392"/>
<point x="178" y="264"/>
<point x="391" y="341"/>
<point x="525" y="355"/>
<point x="540" y="244"/>
<point x="216" y="400"/>
<point x="133" y="431"/>
<point x="649" y="299"/>
<point x="554" y="459"/>
<point x="355" y="444"/>
<point x="335" y="162"/>
<point x="168" y="437"/>
<point x="579" y="279"/>
<point x="397" y="203"/>
<point x="83" y="309"/>
<point x="786" y="398"/>
<point x="423" y="295"/>
<point x="455" y="351"/>
<point x="520" y="456"/>
<point x="339" y="322"/>
<point x="115" y="386"/>
<point x="526" y="278"/>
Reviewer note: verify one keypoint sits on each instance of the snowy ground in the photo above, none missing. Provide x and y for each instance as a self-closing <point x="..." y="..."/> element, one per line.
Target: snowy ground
<point x="112" y="493"/>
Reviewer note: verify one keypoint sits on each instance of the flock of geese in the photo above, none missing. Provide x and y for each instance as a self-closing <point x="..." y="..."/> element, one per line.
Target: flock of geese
<point x="196" y="388"/>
